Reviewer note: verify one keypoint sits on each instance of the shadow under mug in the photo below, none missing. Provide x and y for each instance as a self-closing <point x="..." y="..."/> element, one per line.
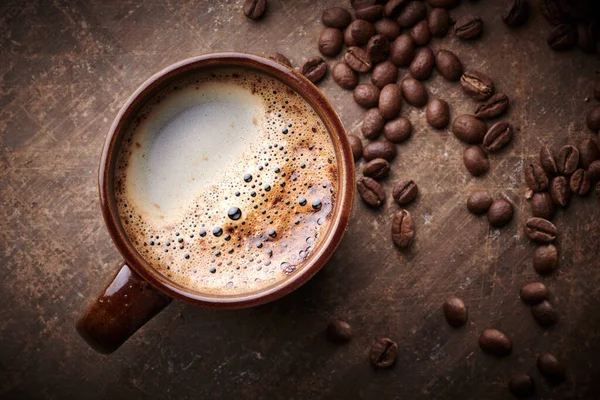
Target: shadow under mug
<point x="138" y="292"/>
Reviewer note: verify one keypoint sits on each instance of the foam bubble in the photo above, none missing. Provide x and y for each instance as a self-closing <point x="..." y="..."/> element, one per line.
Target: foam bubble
<point x="213" y="180"/>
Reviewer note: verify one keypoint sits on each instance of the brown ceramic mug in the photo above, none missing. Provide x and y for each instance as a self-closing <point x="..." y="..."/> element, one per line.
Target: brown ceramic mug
<point x="138" y="292"/>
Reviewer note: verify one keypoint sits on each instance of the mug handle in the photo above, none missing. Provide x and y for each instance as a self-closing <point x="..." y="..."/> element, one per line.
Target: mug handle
<point x="123" y="307"/>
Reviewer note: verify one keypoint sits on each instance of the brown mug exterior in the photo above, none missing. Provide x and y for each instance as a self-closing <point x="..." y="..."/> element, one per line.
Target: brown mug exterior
<point x="138" y="292"/>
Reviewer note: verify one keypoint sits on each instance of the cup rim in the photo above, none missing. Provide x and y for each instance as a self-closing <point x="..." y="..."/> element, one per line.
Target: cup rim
<point x="342" y="208"/>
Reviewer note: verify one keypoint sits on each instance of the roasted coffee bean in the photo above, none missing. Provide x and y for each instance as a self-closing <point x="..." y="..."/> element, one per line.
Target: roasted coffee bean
<point x="497" y="136"/>
<point x="536" y="177"/>
<point x="588" y="152"/>
<point x="384" y="74"/>
<point x="544" y="313"/>
<point x="358" y="59"/>
<point x="390" y="101"/>
<point x="443" y="3"/>
<point x="437" y="113"/>
<point x="477" y="85"/>
<point x="593" y="119"/>
<point x="366" y="95"/>
<point x="455" y="311"/>
<point x="393" y="7"/>
<point x="359" y="32"/>
<point x="468" y="27"/>
<point x="405" y="191"/>
<point x="371" y="13"/>
<point x="388" y="28"/>
<point x="339" y="331"/>
<point x="479" y="202"/>
<point x="494" y="107"/>
<point x="594" y="171"/>
<point x="314" y="69"/>
<point x="547" y="160"/>
<point x="397" y="130"/>
<point x="438" y="21"/>
<point x="521" y="386"/>
<point x="540" y="230"/>
<point x="534" y="293"/>
<point x="560" y="191"/>
<point x="420" y="33"/>
<point x="372" y="124"/>
<point x="552" y="11"/>
<point x="414" y="92"/>
<point x="344" y="76"/>
<point x="469" y="129"/>
<point x="563" y="37"/>
<point x="580" y="183"/>
<point x="281" y="59"/>
<point x="377" y="169"/>
<point x="598" y="190"/>
<point x="378" y="50"/>
<point x="336" y="17"/>
<point x="476" y="160"/>
<point x="494" y="342"/>
<point x="402" y="50"/>
<point x="500" y="213"/>
<point x="356" y="146"/>
<point x="567" y="160"/>
<point x="516" y="12"/>
<point x="358" y="4"/>
<point x="545" y="259"/>
<point x="380" y="149"/>
<point x="448" y="65"/>
<point x="542" y="206"/>
<point x="551" y="368"/>
<point x="422" y="64"/>
<point x="370" y="191"/>
<point x="403" y="229"/>
<point x="331" y="42"/>
<point x="413" y="12"/>
<point x="383" y="353"/>
<point x="597" y="89"/>
<point x="255" y="9"/>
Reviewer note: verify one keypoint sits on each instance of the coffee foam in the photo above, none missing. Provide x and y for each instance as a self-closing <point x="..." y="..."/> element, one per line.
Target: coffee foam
<point x="226" y="141"/>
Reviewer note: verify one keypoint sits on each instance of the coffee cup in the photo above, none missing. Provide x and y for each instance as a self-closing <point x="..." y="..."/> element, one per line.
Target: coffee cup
<point x="226" y="181"/>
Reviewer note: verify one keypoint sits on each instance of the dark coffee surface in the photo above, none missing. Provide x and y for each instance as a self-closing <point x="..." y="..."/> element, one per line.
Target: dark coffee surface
<point x="68" y="67"/>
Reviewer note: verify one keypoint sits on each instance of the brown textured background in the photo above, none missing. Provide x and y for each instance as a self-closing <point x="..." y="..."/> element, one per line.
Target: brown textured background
<point x="65" y="69"/>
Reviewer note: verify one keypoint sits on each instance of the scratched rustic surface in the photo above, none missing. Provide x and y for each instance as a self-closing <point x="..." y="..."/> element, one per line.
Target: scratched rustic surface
<point x="65" y="69"/>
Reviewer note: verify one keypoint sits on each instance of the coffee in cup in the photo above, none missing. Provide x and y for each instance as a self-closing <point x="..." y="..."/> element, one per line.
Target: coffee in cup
<point x="225" y="181"/>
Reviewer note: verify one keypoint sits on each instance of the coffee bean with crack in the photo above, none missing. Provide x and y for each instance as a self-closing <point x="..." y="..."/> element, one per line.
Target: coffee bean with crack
<point x="403" y="229"/>
<point x="468" y="27"/>
<point x="405" y="191"/>
<point x="547" y="160"/>
<point x="477" y="85"/>
<point x="370" y="191"/>
<point x="383" y="353"/>
<point x="580" y="183"/>
<point x="377" y="169"/>
<point x="567" y="160"/>
<point x="540" y="230"/>
<point x="493" y="107"/>
<point x="498" y="136"/>
<point x="314" y="69"/>
<point x="536" y="177"/>
<point x="255" y="9"/>
<point x="358" y="59"/>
